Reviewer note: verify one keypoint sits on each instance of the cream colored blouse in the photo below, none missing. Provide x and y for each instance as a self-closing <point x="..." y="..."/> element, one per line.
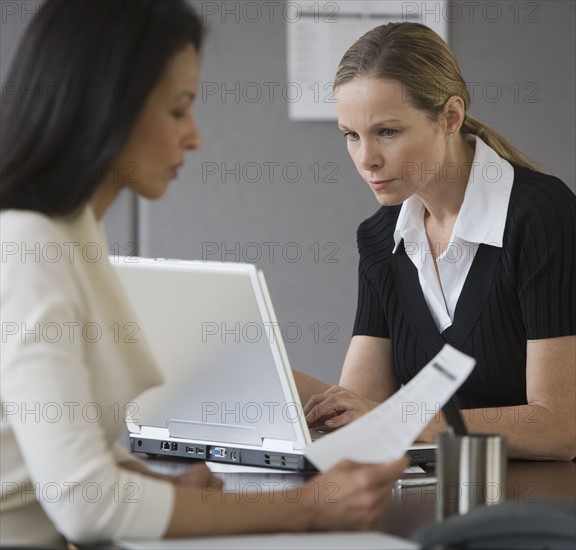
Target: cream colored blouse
<point x="72" y="360"/>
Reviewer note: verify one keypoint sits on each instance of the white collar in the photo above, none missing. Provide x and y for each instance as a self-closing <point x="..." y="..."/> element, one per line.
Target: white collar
<point x="482" y="216"/>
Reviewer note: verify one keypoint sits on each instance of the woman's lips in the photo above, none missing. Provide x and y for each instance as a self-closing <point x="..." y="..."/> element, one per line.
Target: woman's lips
<point x="174" y="170"/>
<point x="379" y="185"/>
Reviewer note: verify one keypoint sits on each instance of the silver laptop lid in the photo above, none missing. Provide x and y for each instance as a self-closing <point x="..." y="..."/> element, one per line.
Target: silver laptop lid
<point x="213" y="331"/>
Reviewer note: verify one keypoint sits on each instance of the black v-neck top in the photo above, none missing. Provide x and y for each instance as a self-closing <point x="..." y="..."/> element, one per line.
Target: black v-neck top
<point x="525" y="290"/>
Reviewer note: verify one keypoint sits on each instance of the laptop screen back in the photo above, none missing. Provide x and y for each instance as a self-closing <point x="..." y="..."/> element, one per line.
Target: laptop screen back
<point x="212" y="330"/>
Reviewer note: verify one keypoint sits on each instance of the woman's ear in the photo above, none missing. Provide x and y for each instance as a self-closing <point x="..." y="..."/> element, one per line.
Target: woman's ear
<point x="453" y="113"/>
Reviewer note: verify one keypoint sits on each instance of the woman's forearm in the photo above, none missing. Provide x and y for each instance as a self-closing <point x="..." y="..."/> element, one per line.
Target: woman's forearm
<point x="308" y="386"/>
<point x="531" y="431"/>
<point x="211" y="511"/>
<point x="349" y="496"/>
<point x="137" y="466"/>
<point x="207" y="510"/>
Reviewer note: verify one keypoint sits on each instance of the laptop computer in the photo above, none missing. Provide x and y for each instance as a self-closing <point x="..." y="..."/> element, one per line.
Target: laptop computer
<point x="229" y="394"/>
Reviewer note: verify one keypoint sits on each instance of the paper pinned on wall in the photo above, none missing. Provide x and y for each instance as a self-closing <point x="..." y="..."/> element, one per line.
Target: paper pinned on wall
<point x="384" y="434"/>
<point x="320" y="32"/>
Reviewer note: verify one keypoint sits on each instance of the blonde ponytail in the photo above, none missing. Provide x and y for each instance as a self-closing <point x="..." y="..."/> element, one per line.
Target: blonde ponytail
<point x="494" y="140"/>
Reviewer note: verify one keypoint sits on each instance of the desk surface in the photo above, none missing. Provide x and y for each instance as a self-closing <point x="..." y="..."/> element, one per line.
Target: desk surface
<point x="526" y="482"/>
<point x="413" y="507"/>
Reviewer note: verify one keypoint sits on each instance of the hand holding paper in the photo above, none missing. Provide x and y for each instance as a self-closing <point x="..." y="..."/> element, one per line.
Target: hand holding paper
<point x="384" y="434"/>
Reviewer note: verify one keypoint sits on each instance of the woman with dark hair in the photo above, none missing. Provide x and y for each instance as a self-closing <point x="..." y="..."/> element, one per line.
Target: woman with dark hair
<point x="98" y="99"/>
<point x="471" y="247"/>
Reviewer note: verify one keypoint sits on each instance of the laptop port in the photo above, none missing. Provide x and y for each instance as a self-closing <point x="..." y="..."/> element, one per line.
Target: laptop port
<point x="165" y="446"/>
<point x="218" y="452"/>
<point x="199" y="451"/>
<point x="174" y="446"/>
<point x="190" y="450"/>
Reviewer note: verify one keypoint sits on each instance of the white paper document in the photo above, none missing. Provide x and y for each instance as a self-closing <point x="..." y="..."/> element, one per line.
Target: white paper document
<point x="384" y="434"/>
<point x="318" y="541"/>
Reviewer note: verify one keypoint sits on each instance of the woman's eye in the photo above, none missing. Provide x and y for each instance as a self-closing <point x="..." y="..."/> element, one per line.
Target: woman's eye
<point x="351" y="136"/>
<point x="387" y="132"/>
<point x="178" y="114"/>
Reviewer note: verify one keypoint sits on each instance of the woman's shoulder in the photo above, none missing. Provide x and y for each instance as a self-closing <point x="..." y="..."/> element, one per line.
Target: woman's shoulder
<point x="16" y="223"/>
<point x="542" y="207"/>
<point x="375" y="236"/>
<point x="538" y="191"/>
<point x="26" y="225"/>
<point x="37" y="247"/>
<point x="381" y="224"/>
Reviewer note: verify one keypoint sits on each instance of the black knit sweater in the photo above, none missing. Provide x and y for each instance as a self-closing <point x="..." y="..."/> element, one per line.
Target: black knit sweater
<point x="525" y="290"/>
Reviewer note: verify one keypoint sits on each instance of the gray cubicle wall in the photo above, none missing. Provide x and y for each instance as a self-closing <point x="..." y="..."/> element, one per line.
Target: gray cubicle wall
<point x="297" y="200"/>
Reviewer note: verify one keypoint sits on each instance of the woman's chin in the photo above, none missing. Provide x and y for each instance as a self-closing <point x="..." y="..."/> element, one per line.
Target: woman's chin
<point x="153" y="192"/>
<point x="389" y="200"/>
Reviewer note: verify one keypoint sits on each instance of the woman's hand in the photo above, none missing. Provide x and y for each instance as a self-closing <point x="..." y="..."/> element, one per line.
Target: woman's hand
<point x="335" y="408"/>
<point x="351" y="496"/>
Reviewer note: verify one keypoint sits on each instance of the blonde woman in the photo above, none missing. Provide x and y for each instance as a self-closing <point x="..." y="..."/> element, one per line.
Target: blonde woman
<point x="472" y="247"/>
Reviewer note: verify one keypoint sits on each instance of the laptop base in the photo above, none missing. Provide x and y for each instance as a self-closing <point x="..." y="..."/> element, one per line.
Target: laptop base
<point x="227" y="454"/>
<point x="246" y="457"/>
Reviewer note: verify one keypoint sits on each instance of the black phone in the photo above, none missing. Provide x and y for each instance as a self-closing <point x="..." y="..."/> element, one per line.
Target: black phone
<point x="547" y="524"/>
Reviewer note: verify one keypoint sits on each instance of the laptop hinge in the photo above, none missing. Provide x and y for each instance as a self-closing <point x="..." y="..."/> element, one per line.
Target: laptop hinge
<point x="279" y="445"/>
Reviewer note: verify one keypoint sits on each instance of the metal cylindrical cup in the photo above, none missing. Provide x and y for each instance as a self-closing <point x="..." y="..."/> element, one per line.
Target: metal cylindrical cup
<point x="471" y="472"/>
